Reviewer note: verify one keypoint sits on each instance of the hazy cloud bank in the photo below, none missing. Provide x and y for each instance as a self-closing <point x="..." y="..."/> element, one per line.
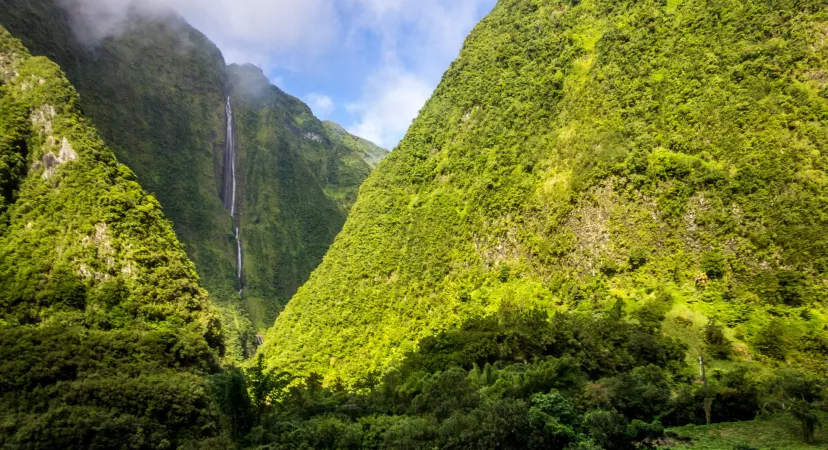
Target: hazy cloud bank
<point x="402" y="47"/>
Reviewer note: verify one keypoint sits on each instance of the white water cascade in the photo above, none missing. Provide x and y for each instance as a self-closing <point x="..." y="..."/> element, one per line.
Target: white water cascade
<point x="229" y="188"/>
<point x="238" y="259"/>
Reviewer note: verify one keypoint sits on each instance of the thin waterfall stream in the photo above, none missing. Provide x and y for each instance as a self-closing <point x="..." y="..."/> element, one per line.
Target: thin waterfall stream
<point x="229" y="188"/>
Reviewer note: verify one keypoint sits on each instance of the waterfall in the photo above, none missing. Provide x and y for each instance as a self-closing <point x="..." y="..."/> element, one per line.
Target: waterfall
<point x="238" y="257"/>
<point x="228" y="195"/>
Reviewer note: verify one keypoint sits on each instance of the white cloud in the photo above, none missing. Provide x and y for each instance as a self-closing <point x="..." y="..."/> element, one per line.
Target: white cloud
<point x="390" y="100"/>
<point x="288" y="31"/>
<point x="419" y="38"/>
<point x="321" y="105"/>
<point x="257" y="31"/>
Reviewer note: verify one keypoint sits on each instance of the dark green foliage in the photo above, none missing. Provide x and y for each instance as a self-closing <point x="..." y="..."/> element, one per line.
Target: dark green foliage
<point x="738" y="395"/>
<point x="641" y="393"/>
<point x="106" y="337"/>
<point x="770" y="340"/>
<point x="653" y="312"/>
<point x="516" y="381"/>
<point x="230" y="388"/>
<point x="13" y="151"/>
<point x="791" y="287"/>
<point x="638" y="257"/>
<point x="510" y="381"/>
<point x="521" y="337"/>
<point x="718" y="346"/>
<point x="608" y="429"/>
<point x="807" y="417"/>
<point x="745" y="447"/>
<point x="713" y="264"/>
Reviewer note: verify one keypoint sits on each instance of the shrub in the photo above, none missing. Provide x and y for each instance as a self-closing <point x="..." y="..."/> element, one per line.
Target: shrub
<point x="713" y="264"/>
<point x="717" y="344"/>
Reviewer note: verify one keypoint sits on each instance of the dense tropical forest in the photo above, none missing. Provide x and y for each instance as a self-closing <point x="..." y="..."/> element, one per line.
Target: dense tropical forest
<point x="605" y="230"/>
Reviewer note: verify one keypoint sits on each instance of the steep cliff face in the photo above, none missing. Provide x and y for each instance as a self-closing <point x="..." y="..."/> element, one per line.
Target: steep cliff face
<point x="285" y="164"/>
<point x="667" y="154"/>
<point x="102" y="317"/>
<point x="158" y="92"/>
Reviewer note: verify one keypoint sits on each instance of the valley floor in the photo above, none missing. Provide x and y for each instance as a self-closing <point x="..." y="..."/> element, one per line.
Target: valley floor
<point x="776" y="432"/>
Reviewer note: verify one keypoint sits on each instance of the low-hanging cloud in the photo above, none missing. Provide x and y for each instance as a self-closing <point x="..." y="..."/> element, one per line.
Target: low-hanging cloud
<point x="415" y="40"/>
<point x="93" y="20"/>
<point x="246" y="30"/>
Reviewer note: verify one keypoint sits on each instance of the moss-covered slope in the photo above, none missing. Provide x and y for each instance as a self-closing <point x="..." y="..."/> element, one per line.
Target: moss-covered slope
<point x="105" y="334"/>
<point x="671" y="154"/>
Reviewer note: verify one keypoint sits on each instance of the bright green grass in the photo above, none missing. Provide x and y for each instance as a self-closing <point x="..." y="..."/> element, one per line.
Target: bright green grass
<point x="776" y="432"/>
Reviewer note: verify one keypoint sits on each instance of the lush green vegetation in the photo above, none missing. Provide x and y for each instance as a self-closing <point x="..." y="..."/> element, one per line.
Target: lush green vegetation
<point x="156" y="94"/>
<point x="521" y="380"/>
<point x="348" y="165"/>
<point x="670" y="154"/>
<point x="364" y="149"/>
<point x="599" y="195"/>
<point x="106" y="337"/>
<point x="772" y="432"/>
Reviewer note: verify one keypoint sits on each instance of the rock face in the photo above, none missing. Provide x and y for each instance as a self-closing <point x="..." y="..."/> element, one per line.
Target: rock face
<point x="671" y="155"/>
<point x="158" y="94"/>
<point x="102" y="317"/>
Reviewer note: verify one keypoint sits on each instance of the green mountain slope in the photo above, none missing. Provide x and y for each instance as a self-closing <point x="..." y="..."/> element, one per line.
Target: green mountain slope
<point x="105" y="334"/>
<point x="671" y="155"/>
<point x="157" y="93"/>
<point x="362" y="148"/>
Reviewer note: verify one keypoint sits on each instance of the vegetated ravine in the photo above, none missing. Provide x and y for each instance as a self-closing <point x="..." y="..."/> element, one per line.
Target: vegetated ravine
<point x="158" y="92"/>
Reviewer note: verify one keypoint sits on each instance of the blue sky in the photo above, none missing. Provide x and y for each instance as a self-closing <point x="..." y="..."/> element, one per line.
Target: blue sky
<point x="366" y="64"/>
